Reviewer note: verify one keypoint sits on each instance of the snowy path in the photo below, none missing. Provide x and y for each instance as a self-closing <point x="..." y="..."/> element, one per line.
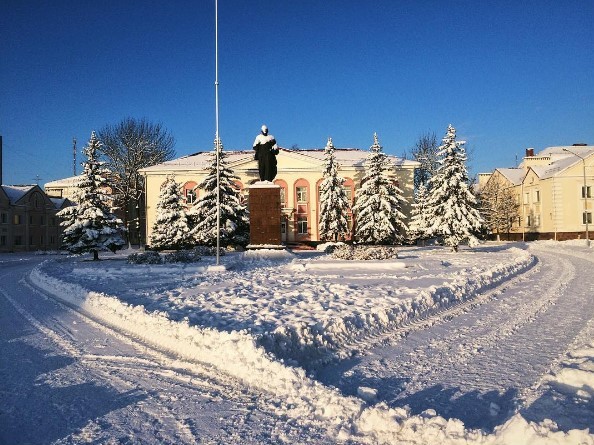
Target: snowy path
<point x="66" y="379"/>
<point x="481" y="365"/>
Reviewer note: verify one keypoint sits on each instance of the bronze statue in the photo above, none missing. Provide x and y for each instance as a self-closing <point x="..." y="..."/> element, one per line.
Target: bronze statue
<point x="266" y="151"/>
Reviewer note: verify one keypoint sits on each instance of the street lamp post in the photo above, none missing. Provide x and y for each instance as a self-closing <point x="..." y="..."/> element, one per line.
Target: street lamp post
<point x="585" y="194"/>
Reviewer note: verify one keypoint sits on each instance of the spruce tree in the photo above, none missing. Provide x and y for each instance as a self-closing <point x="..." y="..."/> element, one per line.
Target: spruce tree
<point x="90" y="226"/>
<point x="170" y="230"/>
<point x="234" y="221"/>
<point x="418" y="227"/>
<point x="334" y="203"/>
<point x="451" y="204"/>
<point x="378" y="202"/>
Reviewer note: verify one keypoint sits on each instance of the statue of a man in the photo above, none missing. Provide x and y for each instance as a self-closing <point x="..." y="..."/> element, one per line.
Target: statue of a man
<point x="266" y="151"/>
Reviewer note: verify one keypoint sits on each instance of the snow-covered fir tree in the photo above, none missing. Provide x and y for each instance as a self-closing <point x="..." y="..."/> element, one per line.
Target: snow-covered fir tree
<point x="420" y="222"/>
<point x="90" y="226"/>
<point x="234" y="220"/>
<point x="379" y="219"/>
<point x="171" y="229"/>
<point x="451" y="204"/>
<point x="334" y="203"/>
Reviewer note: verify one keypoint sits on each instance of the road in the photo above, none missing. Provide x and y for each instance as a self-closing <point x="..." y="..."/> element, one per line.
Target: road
<point x="482" y="363"/>
<point x="66" y="379"/>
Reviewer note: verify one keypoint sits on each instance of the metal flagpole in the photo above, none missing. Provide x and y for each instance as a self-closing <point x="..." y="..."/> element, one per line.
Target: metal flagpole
<point x="218" y="141"/>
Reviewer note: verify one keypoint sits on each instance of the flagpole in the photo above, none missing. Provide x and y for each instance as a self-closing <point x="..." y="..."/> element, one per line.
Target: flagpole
<point x="218" y="142"/>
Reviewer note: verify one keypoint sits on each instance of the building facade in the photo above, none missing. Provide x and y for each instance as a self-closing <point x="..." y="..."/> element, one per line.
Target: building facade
<point x="554" y="191"/>
<point x="299" y="177"/>
<point x="28" y="220"/>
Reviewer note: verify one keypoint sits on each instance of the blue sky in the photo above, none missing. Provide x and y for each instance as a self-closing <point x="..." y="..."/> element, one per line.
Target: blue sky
<point x="507" y="74"/>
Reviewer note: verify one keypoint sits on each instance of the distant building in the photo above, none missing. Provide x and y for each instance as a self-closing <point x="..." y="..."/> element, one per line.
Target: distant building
<point x="549" y="187"/>
<point x="28" y="220"/>
<point x="299" y="176"/>
<point x="63" y="188"/>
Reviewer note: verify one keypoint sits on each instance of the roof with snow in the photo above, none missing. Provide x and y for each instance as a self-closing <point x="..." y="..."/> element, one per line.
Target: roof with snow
<point x="513" y="175"/>
<point x="352" y="157"/>
<point x="16" y="192"/>
<point x="561" y="159"/>
<point x="65" y="182"/>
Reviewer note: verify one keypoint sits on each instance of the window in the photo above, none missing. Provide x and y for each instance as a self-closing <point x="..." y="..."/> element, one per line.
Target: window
<point x="526" y="197"/>
<point x="536" y="220"/>
<point x="2" y="240"/>
<point x="17" y="219"/>
<point x="302" y="225"/>
<point x="528" y="221"/>
<point x="42" y="220"/>
<point x="283" y="197"/>
<point x="586" y="191"/>
<point x="189" y="192"/>
<point x="587" y="217"/>
<point x="31" y="240"/>
<point x="537" y="196"/>
<point x="52" y="239"/>
<point x="301" y="194"/>
<point x="3" y="218"/>
<point x="41" y="240"/>
<point x="190" y="196"/>
<point x="31" y="219"/>
<point x="283" y="227"/>
<point x="349" y="194"/>
<point x="18" y="240"/>
<point x="53" y="221"/>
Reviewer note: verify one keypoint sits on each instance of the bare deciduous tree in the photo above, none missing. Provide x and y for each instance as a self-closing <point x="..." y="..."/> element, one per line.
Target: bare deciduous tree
<point x="425" y="152"/>
<point x="498" y="206"/>
<point x="128" y="147"/>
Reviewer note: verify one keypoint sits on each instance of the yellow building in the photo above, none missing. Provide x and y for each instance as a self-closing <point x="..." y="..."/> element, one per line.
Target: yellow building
<point x="28" y="220"/>
<point x="299" y="176"/>
<point x="554" y="191"/>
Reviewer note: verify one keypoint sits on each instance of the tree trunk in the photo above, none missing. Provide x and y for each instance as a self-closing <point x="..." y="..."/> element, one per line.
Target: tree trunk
<point x="95" y="255"/>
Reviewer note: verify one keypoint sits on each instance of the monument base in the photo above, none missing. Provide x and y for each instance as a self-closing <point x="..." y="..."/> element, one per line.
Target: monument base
<point x="265" y="216"/>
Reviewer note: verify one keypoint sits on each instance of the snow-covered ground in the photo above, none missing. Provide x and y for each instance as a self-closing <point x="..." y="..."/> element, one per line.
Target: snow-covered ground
<point x="489" y="345"/>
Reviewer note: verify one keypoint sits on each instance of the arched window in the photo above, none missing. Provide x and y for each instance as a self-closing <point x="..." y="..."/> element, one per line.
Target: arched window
<point x="302" y="210"/>
<point x="283" y="191"/>
<point x="190" y="192"/>
<point x="349" y="189"/>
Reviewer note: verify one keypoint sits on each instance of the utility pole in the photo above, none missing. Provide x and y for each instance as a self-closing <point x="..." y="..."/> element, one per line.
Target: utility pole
<point x="74" y="156"/>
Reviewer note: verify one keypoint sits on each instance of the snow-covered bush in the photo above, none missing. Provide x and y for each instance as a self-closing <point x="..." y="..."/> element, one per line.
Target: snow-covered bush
<point x="329" y="247"/>
<point x="181" y="256"/>
<point x="207" y="251"/>
<point x="348" y="252"/>
<point x="148" y="257"/>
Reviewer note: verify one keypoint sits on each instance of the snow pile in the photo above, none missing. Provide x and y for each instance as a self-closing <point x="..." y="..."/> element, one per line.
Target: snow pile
<point x="310" y="342"/>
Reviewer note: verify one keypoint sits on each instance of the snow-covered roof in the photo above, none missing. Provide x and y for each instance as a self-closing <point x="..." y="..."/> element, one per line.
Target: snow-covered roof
<point x="199" y="161"/>
<point x="561" y="160"/>
<point x="513" y="175"/>
<point x="16" y="192"/>
<point x="58" y="202"/>
<point x="65" y="182"/>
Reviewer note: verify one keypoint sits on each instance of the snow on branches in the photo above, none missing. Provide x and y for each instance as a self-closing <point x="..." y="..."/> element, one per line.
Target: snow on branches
<point x="234" y="221"/>
<point x="334" y="203"/>
<point x="451" y="206"/>
<point x="377" y="208"/>
<point x="90" y="226"/>
<point x="170" y="230"/>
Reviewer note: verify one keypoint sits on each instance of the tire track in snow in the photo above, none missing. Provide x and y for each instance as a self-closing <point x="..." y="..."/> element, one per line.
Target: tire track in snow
<point x="172" y="389"/>
<point x="453" y="360"/>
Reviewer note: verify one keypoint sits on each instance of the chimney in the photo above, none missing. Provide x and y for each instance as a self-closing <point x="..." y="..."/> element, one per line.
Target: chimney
<point x="529" y="152"/>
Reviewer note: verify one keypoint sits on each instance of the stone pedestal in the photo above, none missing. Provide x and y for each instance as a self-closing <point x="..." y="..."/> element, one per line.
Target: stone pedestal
<point x="265" y="216"/>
